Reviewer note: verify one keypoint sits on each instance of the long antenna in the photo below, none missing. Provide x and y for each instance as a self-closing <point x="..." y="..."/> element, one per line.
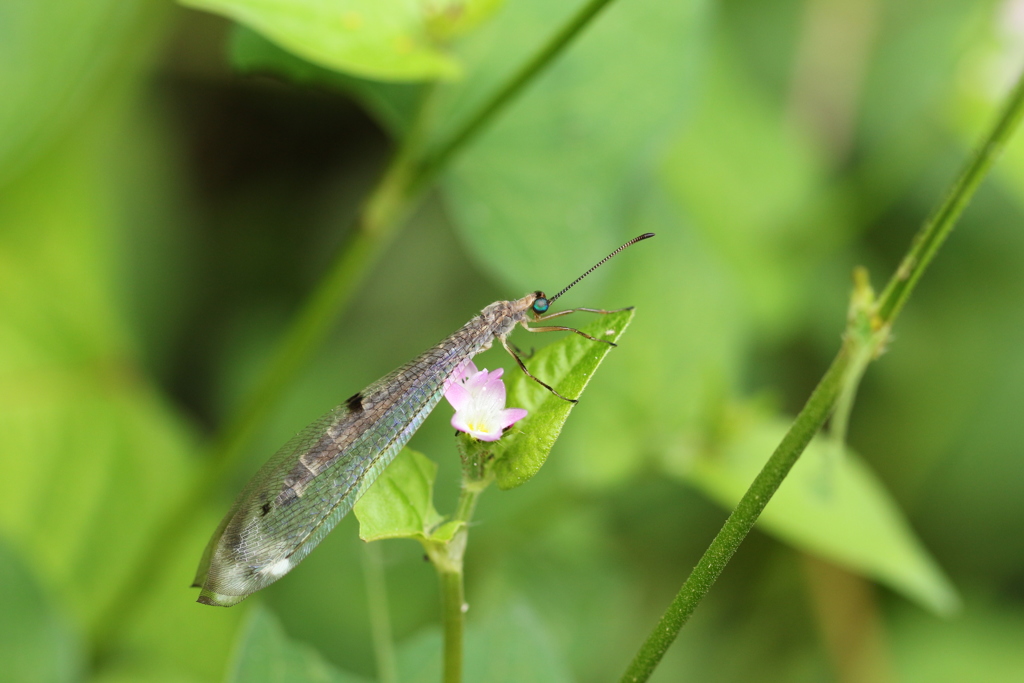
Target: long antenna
<point x="601" y="262"/>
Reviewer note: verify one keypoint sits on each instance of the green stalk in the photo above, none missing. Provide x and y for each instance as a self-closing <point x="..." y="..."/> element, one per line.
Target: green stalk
<point x="380" y="614"/>
<point x="826" y="394"/>
<point x="741" y="521"/>
<point x="447" y="559"/>
<point x="453" y="598"/>
<point x="927" y="242"/>
<point x="440" y="158"/>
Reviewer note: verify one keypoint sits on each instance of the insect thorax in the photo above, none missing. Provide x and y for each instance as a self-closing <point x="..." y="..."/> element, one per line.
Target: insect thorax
<point x="502" y="316"/>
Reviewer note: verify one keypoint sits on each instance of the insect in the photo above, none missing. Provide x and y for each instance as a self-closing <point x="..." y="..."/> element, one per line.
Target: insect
<point x="313" y="481"/>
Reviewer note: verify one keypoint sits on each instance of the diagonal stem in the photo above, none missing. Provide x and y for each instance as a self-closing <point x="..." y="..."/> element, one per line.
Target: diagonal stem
<point x="474" y="124"/>
<point x="823" y="400"/>
<point x="935" y="231"/>
<point x="740" y="522"/>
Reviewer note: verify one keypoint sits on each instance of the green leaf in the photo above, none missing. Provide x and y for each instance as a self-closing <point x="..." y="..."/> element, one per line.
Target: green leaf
<point x="830" y="505"/>
<point x="264" y="654"/>
<point x="36" y="644"/>
<point x="381" y="39"/>
<point x="392" y="104"/>
<point x="100" y="457"/>
<point x="400" y="503"/>
<point x="450" y="18"/>
<point x="683" y="357"/>
<point x="567" y="365"/>
<point x="981" y="644"/>
<point x="564" y="165"/>
<point x="59" y="63"/>
<point x="510" y="645"/>
<point x="738" y="138"/>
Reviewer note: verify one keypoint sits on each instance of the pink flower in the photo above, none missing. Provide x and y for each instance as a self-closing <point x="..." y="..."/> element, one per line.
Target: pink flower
<point x="478" y="397"/>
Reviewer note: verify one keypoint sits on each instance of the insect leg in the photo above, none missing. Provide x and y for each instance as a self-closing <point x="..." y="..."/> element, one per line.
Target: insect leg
<point x="581" y="310"/>
<point x="559" y="328"/>
<point x="522" y="366"/>
<point x="522" y="353"/>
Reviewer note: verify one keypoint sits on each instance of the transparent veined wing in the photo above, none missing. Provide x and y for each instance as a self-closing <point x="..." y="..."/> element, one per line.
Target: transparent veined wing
<point x="313" y="481"/>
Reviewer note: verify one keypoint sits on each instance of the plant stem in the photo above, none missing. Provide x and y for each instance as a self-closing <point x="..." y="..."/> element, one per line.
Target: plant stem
<point x="453" y="601"/>
<point x="380" y="618"/>
<point x="438" y="159"/>
<point x="448" y="560"/>
<point x="935" y="231"/>
<point x="740" y="522"/>
<point x="824" y="398"/>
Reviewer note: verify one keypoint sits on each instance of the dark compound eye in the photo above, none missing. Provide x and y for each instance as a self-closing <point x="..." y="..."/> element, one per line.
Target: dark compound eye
<point x="540" y="305"/>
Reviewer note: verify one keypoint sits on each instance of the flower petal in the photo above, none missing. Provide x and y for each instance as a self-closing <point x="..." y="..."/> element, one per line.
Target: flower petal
<point x="509" y="416"/>
<point x="458" y="396"/>
<point x="487" y="436"/>
<point x="461" y="372"/>
<point x="478" y="397"/>
<point x="475" y="381"/>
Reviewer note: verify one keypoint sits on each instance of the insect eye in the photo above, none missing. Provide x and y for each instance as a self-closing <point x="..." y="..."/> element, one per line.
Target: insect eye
<point x="540" y="305"/>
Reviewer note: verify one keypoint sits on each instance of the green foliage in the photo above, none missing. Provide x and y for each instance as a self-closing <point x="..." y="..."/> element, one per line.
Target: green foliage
<point x="36" y="645"/>
<point x="568" y="365"/>
<point x="832" y="506"/>
<point x="385" y="40"/>
<point x="264" y="654"/>
<point x="400" y="503"/>
<point x="986" y="638"/>
<point x="161" y="220"/>
<point x="599" y="156"/>
<point x="392" y="103"/>
<point x="81" y="427"/>
<point x="738" y="139"/>
<point x="510" y="645"/>
<point x="85" y="60"/>
<point x="100" y="456"/>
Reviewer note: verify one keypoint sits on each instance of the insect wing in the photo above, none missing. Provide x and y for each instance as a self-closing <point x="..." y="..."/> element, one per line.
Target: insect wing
<point x="218" y="557"/>
<point x="313" y="481"/>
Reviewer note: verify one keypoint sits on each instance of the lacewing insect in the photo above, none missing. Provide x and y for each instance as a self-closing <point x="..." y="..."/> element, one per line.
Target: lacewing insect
<point x="313" y="481"/>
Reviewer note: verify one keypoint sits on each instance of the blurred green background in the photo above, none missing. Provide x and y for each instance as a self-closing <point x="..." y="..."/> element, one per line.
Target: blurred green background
<point x="173" y="186"/>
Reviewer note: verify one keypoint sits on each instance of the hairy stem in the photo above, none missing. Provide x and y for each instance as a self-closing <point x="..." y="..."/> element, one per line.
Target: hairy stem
<point x="740" y="522"/>
<point x="826" y="394"/>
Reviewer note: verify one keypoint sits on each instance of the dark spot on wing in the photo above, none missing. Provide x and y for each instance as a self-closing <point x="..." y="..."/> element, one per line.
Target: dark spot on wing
<point x="355" y="402"/>
<point x="265" y="509"/>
